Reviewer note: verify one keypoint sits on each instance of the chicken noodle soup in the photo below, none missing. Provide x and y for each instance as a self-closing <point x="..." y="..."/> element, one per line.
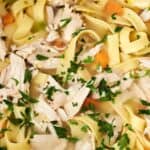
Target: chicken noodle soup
<point x="74" y="74"/>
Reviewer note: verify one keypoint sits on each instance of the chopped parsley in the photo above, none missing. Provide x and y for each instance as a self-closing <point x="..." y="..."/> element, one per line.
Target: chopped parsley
<point x="27" y="118"/>
<point x="105" y="91"/>
<point x="85" y="128"/>
<point x="77" y="32"/>
<point x="62" y="56"/>
<point x="94" y="116"/>
<point x="9" y="104"/>
<point x="103" y="40"/>
<point x="108" y="70"/>
<point x="129" y="126"/>
<point x="118" y="29"/>
<point x="74" y="67"/>
<point x="14" y="120"/>
<point x="41" y="57"/>
<point x="103" y="146"/>
<point x="3" y="130"/>
<point x="90" y="106"/>
<point x="24" y="121"/>
<point x="65" y="22"/>
<point x="144" y="102"/>
<point x="27" y="76"/>
<point x="78" y="53"/>
<point x="58" y="78"/>
<point x="88" y="60"/>
<point x="15" y="80"/>
<point x="72" y="139"/>
<point x="144" y="111"/>
<point x="106" y="127"/>
<point x="26" y="99"/>
<point x="138" y="37"/>
<point x="113" y="16"/>
<point x="90" y="84"/>
<point x="50" y="91"/>
<point x="124" y="142"/>
<point x="73" y="122"/>
<point x="60" y="131"/>
<point x="74" y="104"/>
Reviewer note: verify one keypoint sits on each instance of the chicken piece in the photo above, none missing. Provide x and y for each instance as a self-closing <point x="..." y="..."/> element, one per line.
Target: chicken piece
<point x="13" y="76"/>
<point x="48" y="142"/>
<point x="145" y="15"/>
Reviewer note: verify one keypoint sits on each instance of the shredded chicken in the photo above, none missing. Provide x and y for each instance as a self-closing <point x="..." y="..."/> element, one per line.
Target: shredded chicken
<point x="145" y="15"/>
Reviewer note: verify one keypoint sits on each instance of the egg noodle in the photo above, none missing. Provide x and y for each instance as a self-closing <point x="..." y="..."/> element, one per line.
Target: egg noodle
<point x="74" y="74"/>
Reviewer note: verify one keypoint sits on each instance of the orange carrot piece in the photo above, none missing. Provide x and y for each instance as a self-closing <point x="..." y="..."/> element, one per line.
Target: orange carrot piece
<point x="8" y="19"/>
<point x="90" y="100"/>
<point x="113" y="7"/>
<point x="102" y="58"/>
<point x="58" y="43"/>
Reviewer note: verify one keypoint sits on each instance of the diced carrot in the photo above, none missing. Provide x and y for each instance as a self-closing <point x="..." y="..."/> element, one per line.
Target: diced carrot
<point x="113" y="7"/>
<point x="102" y="58"/>
<point x="90" y="100"/>
<point x="8" y="19"/>
<point x="58" y="43"/>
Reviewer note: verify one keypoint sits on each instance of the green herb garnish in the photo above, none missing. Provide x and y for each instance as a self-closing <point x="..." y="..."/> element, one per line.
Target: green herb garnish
<point x="85" y="128"/>
<point x="65" y="22"/>
<point x="72" y="139"/>
<point x="27" y="76"/>
<point x="113" y="16"/>
<point x="50" y="91"/>
<point x="108" y="70"/>
<point x="88" y="60"/>
<point x="41" y="57"/>
<point x="26" y="99"/>
<point x="61" y="132"/>
<point x="9" y="104"/>
<point x="118" y="29"/>
<point x="124" y="142"/>
<point x="77" y="32"/>
<point x="144" y="111"/>
<point x="105" y="91"/>
<point x="15" y="80"/>
<point x="106" y="127"/>
<point x="144" y="102"/>
<point x="90" y="84"/>
<point x="103" y="40"/>
<point x="74" y="104"/>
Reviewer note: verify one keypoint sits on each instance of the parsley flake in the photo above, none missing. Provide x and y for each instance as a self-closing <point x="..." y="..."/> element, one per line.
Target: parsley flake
<point x="144" y="102"/>
<point x="88" y="60"/>
<point x="65" y="22"/>
<point x="50" y="91"/>
<point x="106" y="127"/>
<point x="27" y="76"/>
<point x="41" y="57"/>
<point x="124" y="142"/>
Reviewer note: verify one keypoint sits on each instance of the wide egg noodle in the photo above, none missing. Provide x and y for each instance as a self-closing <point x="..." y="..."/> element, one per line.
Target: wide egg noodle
<point x="15" y="138"/>
<point x="71" y="50"/>
<point x="19" y="5"/>
<point x="134" y="19"/>
<point x="99" y="26"/>
<point x="128" y="46"/>
<point x="24" y="25"/>
<point x="113" y="49"/>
